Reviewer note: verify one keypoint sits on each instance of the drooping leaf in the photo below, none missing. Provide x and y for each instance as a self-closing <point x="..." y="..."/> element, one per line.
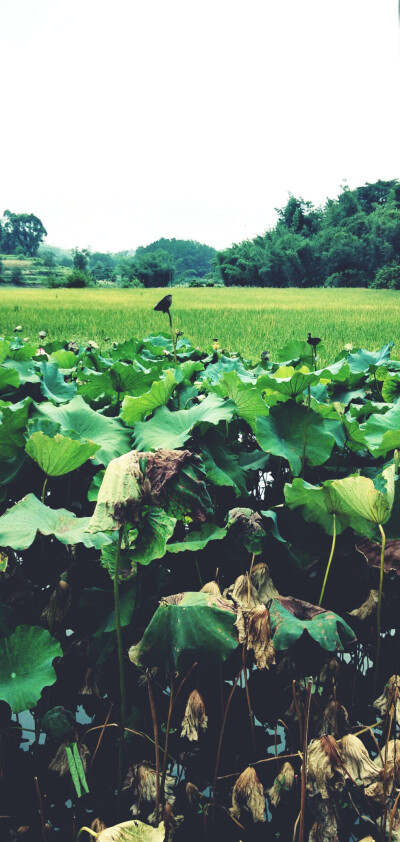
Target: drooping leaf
<point x="363" y="360"/>
<point x="20" y="524"/>
<point x="291" y="386"/>
<point x="26" y="659"/>
<point x="66" y="360"/>
<point x="381" y="433"/>
<point x="172" y="429"/>
<point x="12" y="428"/>
<point x="59" y="455"/>
<point x="247" y="527"/>
<point x="188" y="495"/>
<point x="282" y="433"/>
<point x="95" y="486"/>
<point x="195" y="541"/>
<point x="222" y="465"/>
<point x="136" y="409"/>
<point x="53" y="385"/>
<point x="8" y="377"/>
<point x="155" y="529"/>
<point x="132" y="831"/>
<point x="57" y="722"/>
<point x="367" y="498"/>
<point x="89" y="425"/>
<point x="291" y="618"/>
<point x="245" y="395"/>
<point x="185" y="628"/>
<point x="27" y="370"/>
<point x="120" y="378"/>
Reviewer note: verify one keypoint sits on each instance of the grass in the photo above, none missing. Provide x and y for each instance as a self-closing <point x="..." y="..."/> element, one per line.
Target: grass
<point x="248" y="320"/>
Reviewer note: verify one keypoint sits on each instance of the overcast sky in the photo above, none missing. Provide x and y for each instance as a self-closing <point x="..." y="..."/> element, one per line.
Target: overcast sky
<point x="130" y="120"/>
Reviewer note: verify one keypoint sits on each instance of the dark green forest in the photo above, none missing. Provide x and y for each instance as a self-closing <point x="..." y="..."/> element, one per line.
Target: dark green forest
<point x="353" y="241"/>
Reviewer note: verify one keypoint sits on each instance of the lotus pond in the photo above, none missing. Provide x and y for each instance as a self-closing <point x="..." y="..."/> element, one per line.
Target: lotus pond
<point x="199" y="592"/>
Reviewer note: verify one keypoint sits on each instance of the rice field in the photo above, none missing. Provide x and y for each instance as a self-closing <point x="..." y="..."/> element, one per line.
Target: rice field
<point x="245" y="320"/>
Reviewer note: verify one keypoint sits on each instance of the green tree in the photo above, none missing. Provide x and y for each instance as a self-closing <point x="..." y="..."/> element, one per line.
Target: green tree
<point x="80" y="259"/>
<point x="21" y="232"/>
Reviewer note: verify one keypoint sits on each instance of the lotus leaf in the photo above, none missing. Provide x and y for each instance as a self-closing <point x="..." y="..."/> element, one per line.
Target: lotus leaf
<point x="291" y="618"/>
<point x="59" y="455"/>
<point x="172" y="429"/>
<point x="53" y="385"/>
<point x="8" y="377"/>
<point x="26" y="660"/>
<point x="136" y="409"/>
<point x="57" y="722"/>
<point x="283" y="433"/>
<point x="19" y="525"/>
<point x="222" y="466"/>
<point x="12" y="428"/>
<point x="363" y="360"/>
<point x="187" y="627"/>
<point x="132" y="831"/>
<point x="381" y="433"/>
<point x="370" y="499"/>
<point x="245" y="395"/>
<point x="247" y="527"/>
<point x="195" y="541"/>
<point x="89" y="425"/>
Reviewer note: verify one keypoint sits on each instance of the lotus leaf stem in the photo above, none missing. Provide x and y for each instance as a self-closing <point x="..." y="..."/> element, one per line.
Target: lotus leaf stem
<point x="165" y="761"/>
<point x="44" y="488"/>
<point x="378" y="610"/>
<point x="304" y="765"/>
<point x="329" y="560"/>
<point x="303" y="457"/>
<point x="120" y="664"/>
<point x="156" y="748"/>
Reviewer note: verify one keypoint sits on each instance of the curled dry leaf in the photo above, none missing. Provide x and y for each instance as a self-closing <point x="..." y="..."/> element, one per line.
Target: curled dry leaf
<point x="141" y="780"/>
<point x="261" y="579"/>
<point x="329" y="674"/>
<point x="334" y="720"/>
<point x="325" y="827"/>
<point x="368" y="608"/>
<point x="195" y="798"/>
<point x="384" y="702"/>
<point x="58" y="605"/>
<point x="283" y="783"/>
<point x="254" y="630"/>
<point x="243" y="593"/>
<point x="212" y="588"/>
<point x="60" y="763"/>
<point x="195" y="717"/>
<point x="389" y="773"/>
<point x="248" y="795"/>
<point x="372" y="554"/>
<point x="97" y="825"/>
<point x="357" y="760"/>
<point x="321" y="766"/>
<point x="132" y="831"/>
<point x="90" y="686"/>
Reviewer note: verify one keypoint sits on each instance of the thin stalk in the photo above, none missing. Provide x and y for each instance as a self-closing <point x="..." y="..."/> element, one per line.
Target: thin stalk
<point x="156" y="748"/>
<point x="392" y="710"/>
<point x="329" y="560"/>
<point x="378" y="611"/>
<point x="303" y="457"/>
<point x="251" y="717"/>
<point x="173" y="337"/>
<point x="86" y="830"/>
<point x="304" y="765"/>
<point x="165" y="761"/>
<point x="118" y="631"/>
<point x="221" y="735"/>
<point x="297" y="709"/>
<point x="41" y="810"/>
<point x="44" y="488"/>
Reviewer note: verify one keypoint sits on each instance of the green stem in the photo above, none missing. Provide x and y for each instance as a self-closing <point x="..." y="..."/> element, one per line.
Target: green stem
<point x="44" y="488"/>
<point x="165" y="761"/>
<point x="303" y="458"/>
<point x="378" y="611"/>
<point x="118" y="631"/>
<point x="173" y="337"/>
<point x="329" y="560"/>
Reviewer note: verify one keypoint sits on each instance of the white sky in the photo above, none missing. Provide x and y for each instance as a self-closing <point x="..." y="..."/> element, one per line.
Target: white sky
<point x="126" y="121"/>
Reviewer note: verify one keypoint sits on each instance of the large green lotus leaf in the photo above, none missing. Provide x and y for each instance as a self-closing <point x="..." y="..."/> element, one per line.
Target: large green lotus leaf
<point x="132" y="831"/>
<point x="120" y="378"/>
<point x="296" y="351"/>
<point x="391" y="388"/>
<point x="382" y="432"/>
<point x="215" y="371"/>
<point x="188" y="495"/>
<point x="254" y="460"/>
<point x="291" y="386"/>
<point x="27" y="370"/>
<point x="12" y="428"/>
<point x="247" y="397"/>
<point x="187" y="369"/>
<point x="66" y="360"/>
<point x="155" y="529"/>
<point x="195" y="541"/>
<point x="170" y="430"/>
<point x="20" y="524"/>
<point x="59" y="455"/>
<point x="319" y="503"/>
<point x="185" y="628"/>
<point x="22" y="351"/>
<point x="282" y="433"/>
<point x="364" y="410"/>
<point x="4" y="349"/>
<point x="126" y="351"/>
<point x="109" y="433"/>
<point x="222" y="466"/>
<point x="363" y="360"/>
<point x="136" y="409"/>
<point x="8" y="377"/>
<point x="325" y="627"/>
<point x="26" y="660"/>
<point x="53" y="385"/>
<point x="369" y="499"/>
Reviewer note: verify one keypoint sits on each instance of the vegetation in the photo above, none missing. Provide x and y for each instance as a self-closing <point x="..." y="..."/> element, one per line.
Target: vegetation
<point x="347" y="243"/>
<point x="252" y="320"/>
<point x="198" y="626"/>
<point x="21" y="233"/>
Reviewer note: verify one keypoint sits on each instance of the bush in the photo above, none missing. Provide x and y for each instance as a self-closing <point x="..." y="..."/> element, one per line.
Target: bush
<point x="347" y="278"/>
<point x="127" y="282"/>
<point x="78" y="279"/>
<point x="16" y="275"/>
<point x="388" y="277"/>
<point x="55" y="281"/>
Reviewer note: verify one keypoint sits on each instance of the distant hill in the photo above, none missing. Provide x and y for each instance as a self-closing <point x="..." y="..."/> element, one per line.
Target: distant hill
<point x="190" y="258"/>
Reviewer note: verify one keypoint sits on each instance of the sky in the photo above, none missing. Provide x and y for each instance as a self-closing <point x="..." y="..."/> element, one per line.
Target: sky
<point x="126" y="121"/>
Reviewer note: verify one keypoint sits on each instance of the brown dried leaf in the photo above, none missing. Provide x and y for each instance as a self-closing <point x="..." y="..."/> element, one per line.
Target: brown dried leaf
<point x="261" y="579"/>
<point x="248" y="795"/>
<point x="283" y="783"/>
<point x="60" y="760"/>
<point x="372" y="554"/>
<point x="368" y="607"/>
<point x="195" y="717"/>
<point x="333" y="720"/>
<point x="357" y="761"/>
<point x="384" y="702"/>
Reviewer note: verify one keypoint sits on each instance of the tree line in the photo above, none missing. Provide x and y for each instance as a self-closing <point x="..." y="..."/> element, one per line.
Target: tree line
<point x="353" y="241"/>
